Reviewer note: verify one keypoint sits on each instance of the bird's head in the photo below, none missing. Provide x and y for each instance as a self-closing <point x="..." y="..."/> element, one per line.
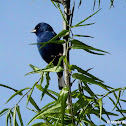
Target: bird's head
<point x="41" y="27"/>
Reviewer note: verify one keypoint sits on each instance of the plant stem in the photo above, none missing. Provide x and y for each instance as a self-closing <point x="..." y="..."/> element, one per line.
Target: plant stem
<point x="66" y="52"/>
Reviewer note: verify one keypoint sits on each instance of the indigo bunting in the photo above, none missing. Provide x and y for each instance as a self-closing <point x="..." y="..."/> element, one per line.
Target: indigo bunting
<point x="51" y="51"/>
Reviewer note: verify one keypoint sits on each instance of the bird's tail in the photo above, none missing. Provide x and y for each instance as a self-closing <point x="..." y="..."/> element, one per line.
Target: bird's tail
<point x="61" y="82"/>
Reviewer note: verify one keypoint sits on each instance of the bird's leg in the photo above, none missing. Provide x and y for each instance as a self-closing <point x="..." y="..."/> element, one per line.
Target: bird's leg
<point x="60" y="54"/>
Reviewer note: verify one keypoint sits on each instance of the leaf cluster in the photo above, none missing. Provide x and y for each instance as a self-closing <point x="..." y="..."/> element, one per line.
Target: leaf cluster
<point x="85" y="101"/>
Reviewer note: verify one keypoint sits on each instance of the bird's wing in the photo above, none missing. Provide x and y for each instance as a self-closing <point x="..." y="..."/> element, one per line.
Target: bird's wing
<point x="51" y="49"/>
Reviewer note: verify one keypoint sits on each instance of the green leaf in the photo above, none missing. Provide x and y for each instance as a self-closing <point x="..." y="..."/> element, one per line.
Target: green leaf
<point x="46" y="43"/>
<point x="19" y="116"/>
<point x="76" y="44"/>
<point x="34" y="103"/>
<point x="58" y="5"/>
<point x="32" y="110"/>
<point x="54" y="39"/>
<point x="112" y="91"/>
<point x="33" y="67"/>
<point x="89" y="123"/>
<point x="122" y="100"/>
<point x="63" y="98"/>
<point x="74" y="67"/>
<point x="122" y="119"/>
<point x="8" y="117"/>
<point x="84" y="36"/>
<point x="71" y="17"/>
<point x="50" y="69"/>
<point x="87" y="89"/>
<point x="80" y="3"/>
<point x="18" y="92"/>
<point x="14" y="115"/>
<point x="60" y="60"/>
<point x="94" y="4"/>
<point x="9" y="88"/>
<point x="118" y="99"/>
<point x="61" y="34"/>
<point x="119" y="94"/>
<point x="86" y="18"/>
<point x="53" y="3"/>
<point x="53" y="92"/>
<point x="52" y="109"/>
<point x="10" y="120"/>
<point x="90" y="80"/>
<point x="40" y="124"/>
<point x="47" y="85"/>
<point x="81" y="103"/>
<point x="48" y="105"/>
<point x="4" y="111"/>
<point x="42" y="89"/>
<point x="82" y="25"/>
<point x="124" y="111"/>
<point x="116" y="105"/>
<point x="53" y="69"/>
<point x="30" y="93"/>
<point x="100" y="106"/>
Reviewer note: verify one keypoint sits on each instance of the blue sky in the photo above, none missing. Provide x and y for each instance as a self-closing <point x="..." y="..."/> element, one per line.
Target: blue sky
<point x="19" y="17"/>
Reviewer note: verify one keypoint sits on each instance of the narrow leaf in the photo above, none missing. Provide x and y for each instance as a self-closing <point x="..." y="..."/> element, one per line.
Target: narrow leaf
<point x="71" y="18"/>
<point x="14" y="115"/>
<point x="8" y="117"/>
<point x="116" y="106"/>
<point x="49" y="110"/>
<point x="10" y="120"/>
<point x="50" y="41"/>
<point x="48" y="105"/>
<point x="33" y="67"/>
<point x="50" y="69"/>
<point x="94" y="4"/>
<point x="18" y="92"/>
<point x="100" y="106"/>
<point x="55" y="39"/>
<point x="74" y="67"/>
<point x="4" y="111"/>
<point x="19" y="116"/>
<point x="84" y="36"/>
<point x="42" y="89"/>
<point x="119" y="94"/>
<point x="60" y="61"/>
<point x="40" y="124"/>
<point x="34" y="104"/>
<point x="63" y="98"/>
<point x="80" y="3"/>
<point x="80" y="45"/>
<point x="81" y="25"/>
<point x="112" y="91"/>
<point x="90" y="80"/>
<point x="47" y="85"/>
<point x="9" y="88"/>
<point x="58" y="5"/>
<point x="30" y="93"/>
<point x="53" y="92"/>
<point x="86" y="18"/>
<point x="53" y="69"/>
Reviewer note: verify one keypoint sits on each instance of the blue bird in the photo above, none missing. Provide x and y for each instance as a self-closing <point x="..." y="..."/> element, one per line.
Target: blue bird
<point x="51" y="51"/>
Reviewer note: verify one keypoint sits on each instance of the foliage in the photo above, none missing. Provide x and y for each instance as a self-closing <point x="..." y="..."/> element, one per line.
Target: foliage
<point x="86" y="101"/>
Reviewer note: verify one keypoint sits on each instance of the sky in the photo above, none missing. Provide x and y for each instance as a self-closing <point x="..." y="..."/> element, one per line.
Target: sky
<point x="19" y="17"/>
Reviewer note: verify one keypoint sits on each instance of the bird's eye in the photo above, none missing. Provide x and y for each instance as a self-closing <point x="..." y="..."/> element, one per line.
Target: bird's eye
<point x="38" y="27"/>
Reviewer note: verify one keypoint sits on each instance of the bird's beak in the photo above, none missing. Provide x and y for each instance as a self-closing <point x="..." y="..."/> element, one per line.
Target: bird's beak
<point x="33" y="31"/>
